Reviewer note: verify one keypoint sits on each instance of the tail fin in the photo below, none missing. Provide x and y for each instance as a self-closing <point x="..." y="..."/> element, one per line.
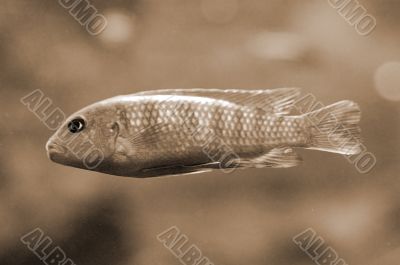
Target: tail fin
<point x="335" y="128"/>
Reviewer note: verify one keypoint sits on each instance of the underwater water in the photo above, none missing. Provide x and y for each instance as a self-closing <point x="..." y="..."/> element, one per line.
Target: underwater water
<point x="245" y="216"/>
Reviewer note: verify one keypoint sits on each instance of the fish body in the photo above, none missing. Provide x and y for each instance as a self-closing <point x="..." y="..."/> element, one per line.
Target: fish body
<point x="168" y="132"/>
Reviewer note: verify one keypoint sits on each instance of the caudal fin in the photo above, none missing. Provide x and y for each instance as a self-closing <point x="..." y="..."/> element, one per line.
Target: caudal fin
<point x="334" y="128"/>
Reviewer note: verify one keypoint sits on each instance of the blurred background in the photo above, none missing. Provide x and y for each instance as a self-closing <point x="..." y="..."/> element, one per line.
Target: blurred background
<point x="247" y="216"/>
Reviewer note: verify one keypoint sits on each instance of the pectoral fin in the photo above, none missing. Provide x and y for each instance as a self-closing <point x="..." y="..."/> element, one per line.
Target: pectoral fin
<point x="176" y="170"/>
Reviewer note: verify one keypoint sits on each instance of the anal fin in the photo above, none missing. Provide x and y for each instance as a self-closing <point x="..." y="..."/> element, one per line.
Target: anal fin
<point x="282" y="157"/>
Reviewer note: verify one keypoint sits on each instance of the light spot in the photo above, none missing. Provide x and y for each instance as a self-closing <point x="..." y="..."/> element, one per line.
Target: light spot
<point x="387" y="81"/>
<point x="120" y="27"/>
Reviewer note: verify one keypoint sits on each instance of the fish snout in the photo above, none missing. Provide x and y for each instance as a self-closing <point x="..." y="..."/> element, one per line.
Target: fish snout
<point x="53" y="149"/>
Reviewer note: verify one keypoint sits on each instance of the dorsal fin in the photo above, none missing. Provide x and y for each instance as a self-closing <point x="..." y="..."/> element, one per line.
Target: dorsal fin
<point x="277" y="101"/>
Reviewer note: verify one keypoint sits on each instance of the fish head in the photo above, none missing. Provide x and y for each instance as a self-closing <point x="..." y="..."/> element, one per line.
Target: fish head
<point x="86" y="139"/>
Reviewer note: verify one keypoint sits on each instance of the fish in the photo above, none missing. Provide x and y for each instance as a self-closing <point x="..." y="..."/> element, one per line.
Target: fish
<point x="184" y="131"/>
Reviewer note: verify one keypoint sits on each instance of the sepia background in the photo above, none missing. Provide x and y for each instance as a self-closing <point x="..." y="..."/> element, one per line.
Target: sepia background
<point x="246" y="217"/>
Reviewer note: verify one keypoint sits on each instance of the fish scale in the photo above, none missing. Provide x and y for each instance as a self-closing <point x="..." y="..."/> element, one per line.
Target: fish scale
<point x="211" y="118"/>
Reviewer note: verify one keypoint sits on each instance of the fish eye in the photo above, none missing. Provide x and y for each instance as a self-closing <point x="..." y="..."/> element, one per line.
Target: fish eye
<point x="76" y="125"/>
